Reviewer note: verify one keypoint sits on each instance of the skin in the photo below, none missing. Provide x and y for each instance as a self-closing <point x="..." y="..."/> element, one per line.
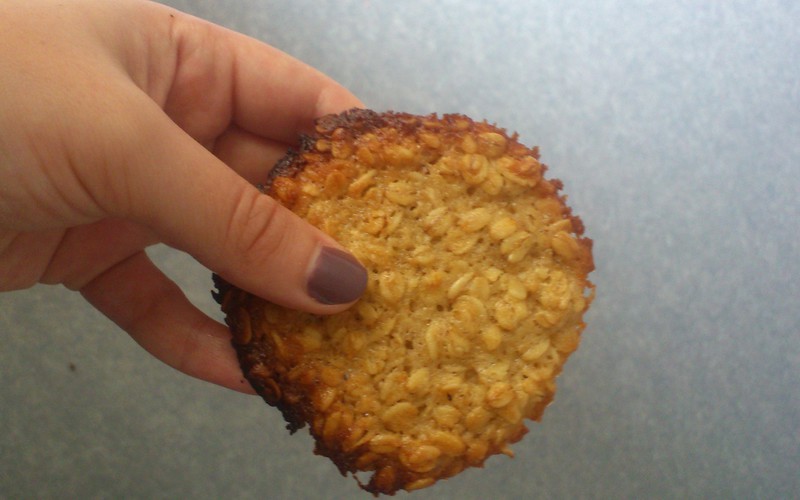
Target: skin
<point x="128" y="123"/>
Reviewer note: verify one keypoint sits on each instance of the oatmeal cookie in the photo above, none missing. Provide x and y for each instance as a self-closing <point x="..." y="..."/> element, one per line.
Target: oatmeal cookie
<point x="476" y="295"/>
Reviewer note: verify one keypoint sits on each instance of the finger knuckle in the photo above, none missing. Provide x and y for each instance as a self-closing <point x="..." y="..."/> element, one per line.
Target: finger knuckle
<point x="256" y="228"/>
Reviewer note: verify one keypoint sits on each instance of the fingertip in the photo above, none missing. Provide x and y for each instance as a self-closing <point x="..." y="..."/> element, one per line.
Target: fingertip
<point x="271" y="252"/>
<point x="334" y="99"/>
<point x="336" y="277"/>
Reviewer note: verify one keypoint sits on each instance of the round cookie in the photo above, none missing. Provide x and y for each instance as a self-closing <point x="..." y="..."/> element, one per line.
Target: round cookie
<point x="477" y="290"/>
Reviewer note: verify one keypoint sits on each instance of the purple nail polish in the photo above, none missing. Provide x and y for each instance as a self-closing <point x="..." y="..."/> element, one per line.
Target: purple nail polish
<point x="337" y="277"/>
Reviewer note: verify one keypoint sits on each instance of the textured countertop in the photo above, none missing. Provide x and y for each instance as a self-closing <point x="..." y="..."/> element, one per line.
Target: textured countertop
<point x="674" y="126"/>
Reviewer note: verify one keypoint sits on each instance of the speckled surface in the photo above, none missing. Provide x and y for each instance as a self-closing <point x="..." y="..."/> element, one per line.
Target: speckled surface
<point x="674" y="127"/>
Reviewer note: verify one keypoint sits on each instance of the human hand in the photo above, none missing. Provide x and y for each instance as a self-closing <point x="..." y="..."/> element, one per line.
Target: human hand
<point x="128" y="123"/>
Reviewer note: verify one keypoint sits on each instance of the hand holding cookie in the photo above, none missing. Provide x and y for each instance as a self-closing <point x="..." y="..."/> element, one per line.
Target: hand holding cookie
<point x="128" y="123"/>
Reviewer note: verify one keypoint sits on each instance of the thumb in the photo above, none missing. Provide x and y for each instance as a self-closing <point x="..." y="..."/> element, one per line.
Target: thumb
<point x="201" y="206"/>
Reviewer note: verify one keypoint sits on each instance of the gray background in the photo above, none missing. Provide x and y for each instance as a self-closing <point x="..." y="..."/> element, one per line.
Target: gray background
<point x="675" y="128"/>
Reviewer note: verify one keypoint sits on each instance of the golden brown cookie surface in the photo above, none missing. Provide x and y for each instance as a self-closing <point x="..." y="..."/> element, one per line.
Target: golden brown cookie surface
<point x="477" y="289"/>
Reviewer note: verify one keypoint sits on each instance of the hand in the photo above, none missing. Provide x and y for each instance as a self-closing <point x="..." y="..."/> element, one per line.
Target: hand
<point x="127" y="123"/>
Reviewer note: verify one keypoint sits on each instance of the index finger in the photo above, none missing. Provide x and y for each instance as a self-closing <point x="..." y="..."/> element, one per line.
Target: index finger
<point x="260" y="89"/>
<point x="276" y="93"/>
